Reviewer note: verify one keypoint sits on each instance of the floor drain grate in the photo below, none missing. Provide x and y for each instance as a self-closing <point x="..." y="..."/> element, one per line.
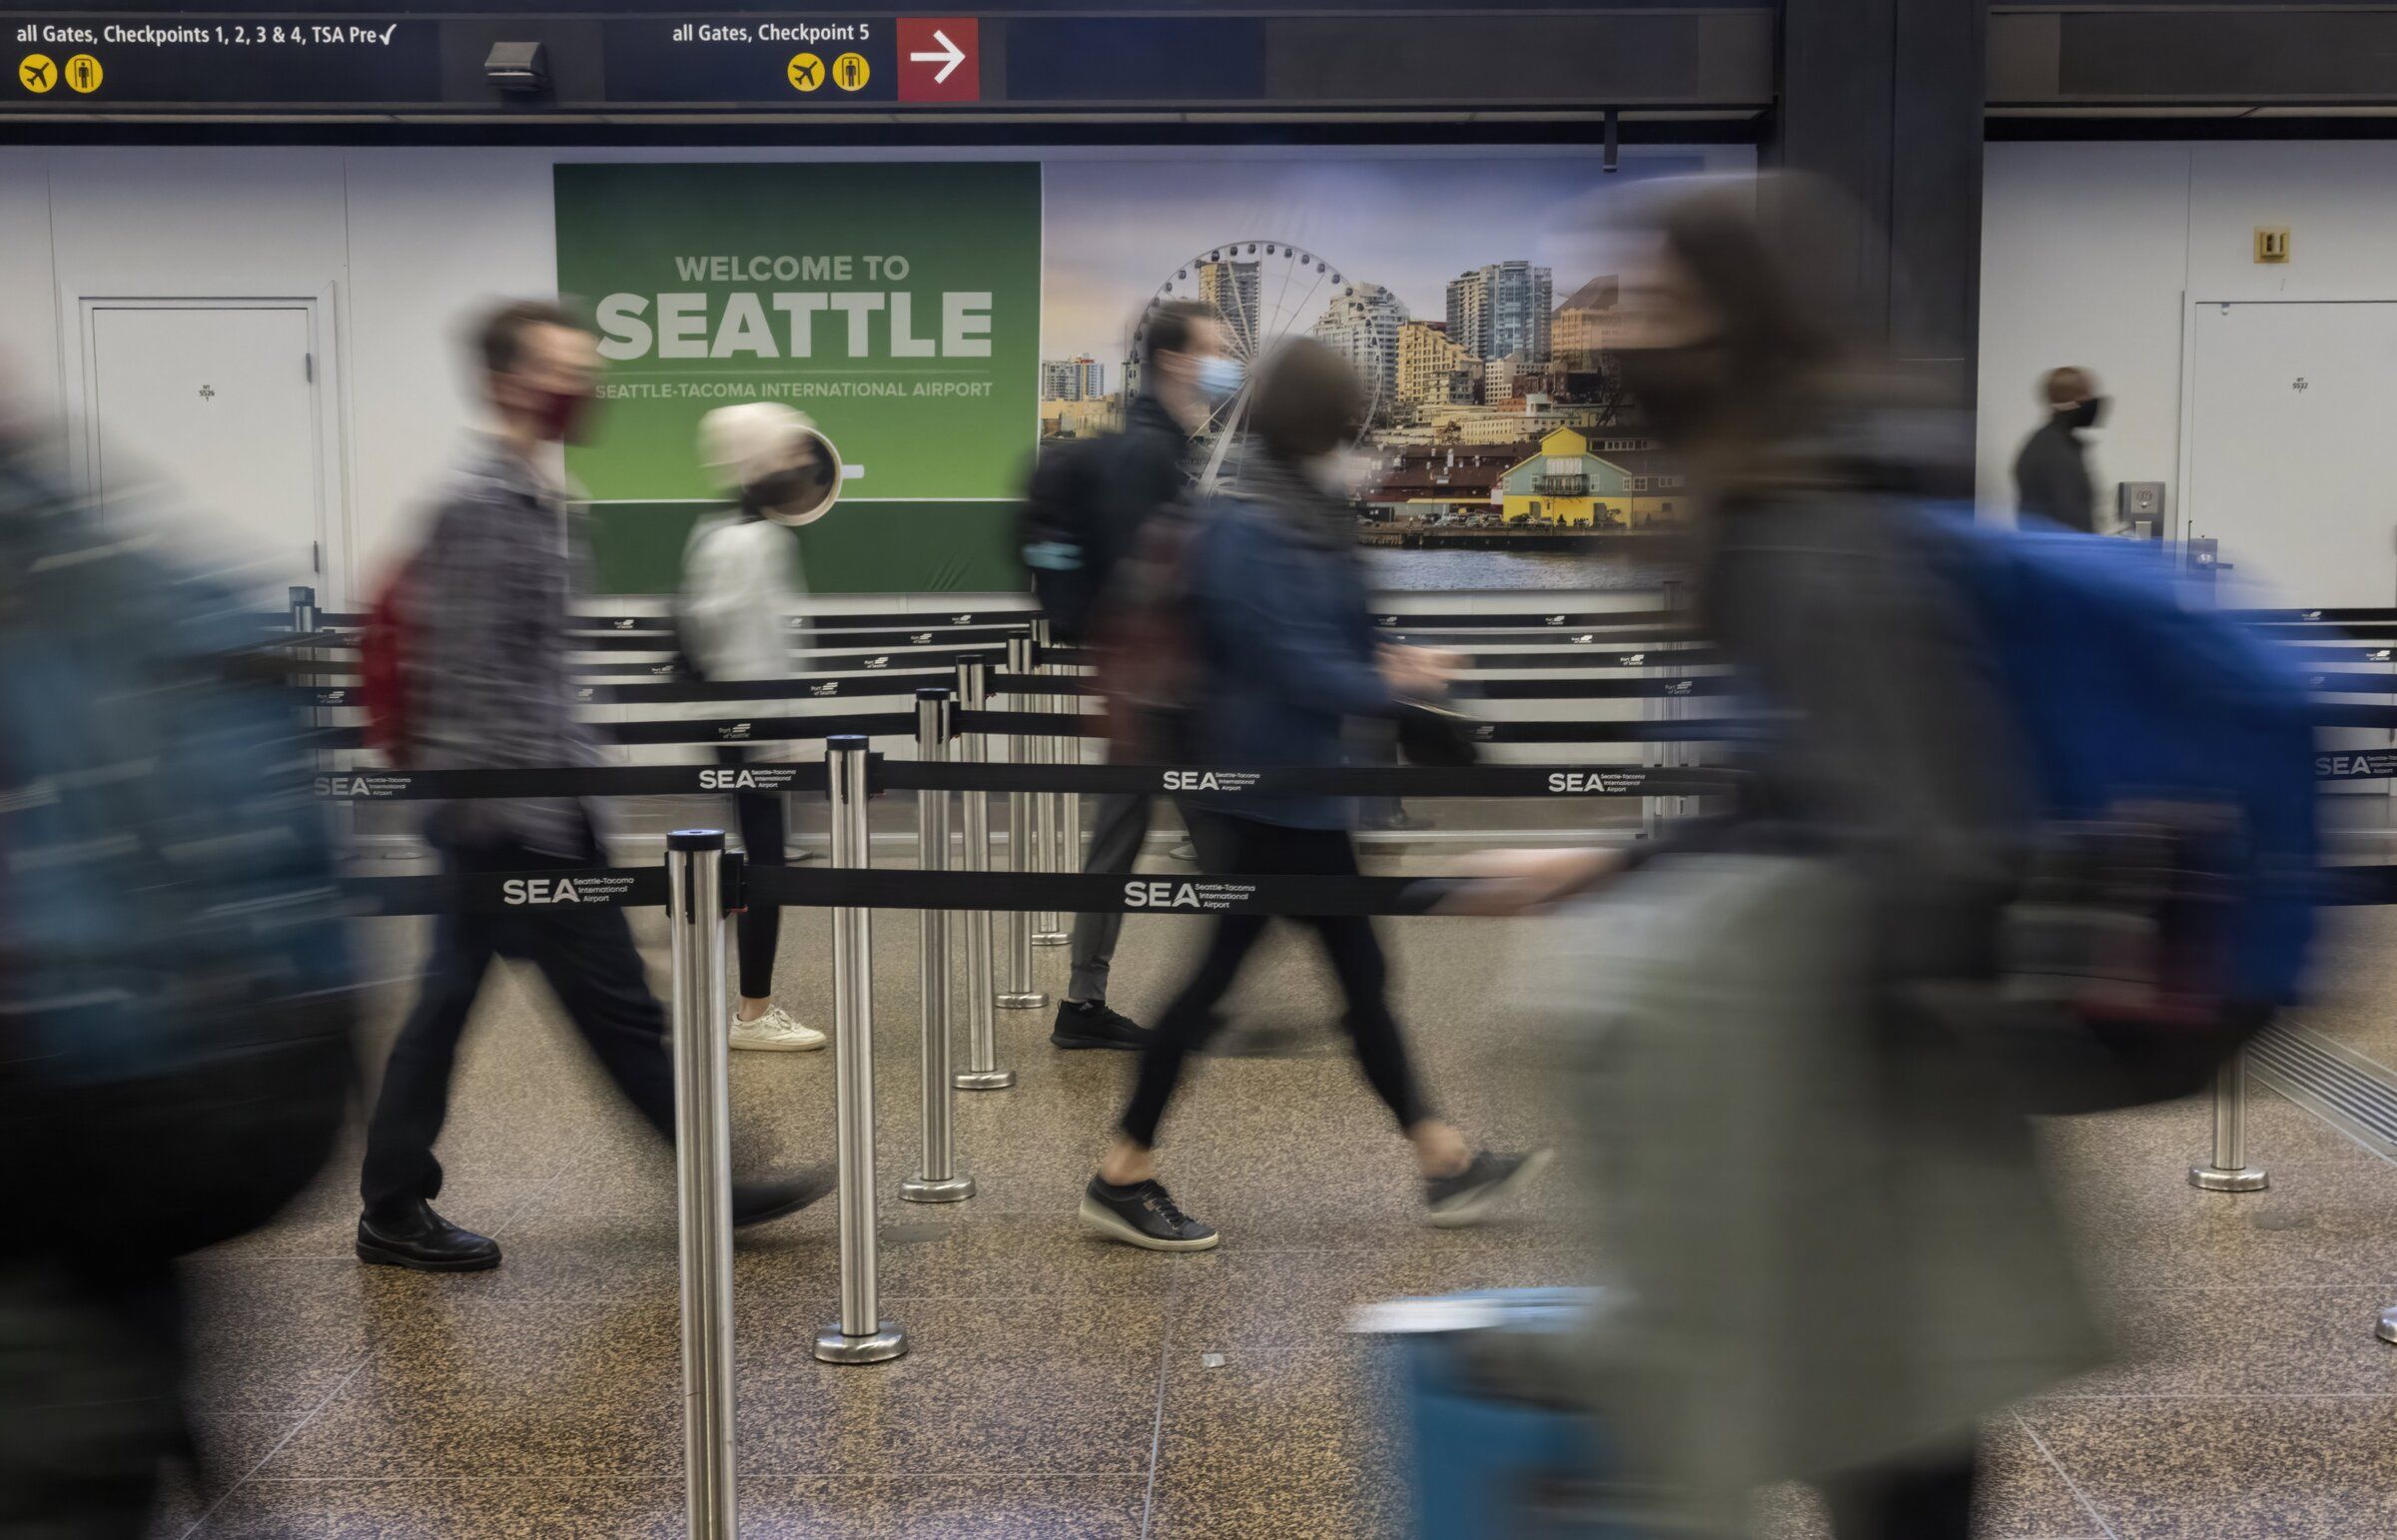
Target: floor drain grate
<point x="2353" y="1093"/>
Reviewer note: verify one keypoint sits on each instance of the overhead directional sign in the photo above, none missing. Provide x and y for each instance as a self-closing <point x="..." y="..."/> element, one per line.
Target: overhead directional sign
<point x="939" y="59"/>
<point x="1160" y="56"/>
<point x="784" y="61"/>
<point x="251" y="59"/>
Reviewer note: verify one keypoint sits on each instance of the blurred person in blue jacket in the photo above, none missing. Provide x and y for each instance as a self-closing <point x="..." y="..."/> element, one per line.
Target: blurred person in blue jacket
<point x="1284" y="655"/>
<point x="176" y="1057"/>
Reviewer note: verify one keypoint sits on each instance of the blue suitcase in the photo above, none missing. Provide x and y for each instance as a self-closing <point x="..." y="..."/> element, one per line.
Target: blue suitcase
<point x="1487" y="1463"/>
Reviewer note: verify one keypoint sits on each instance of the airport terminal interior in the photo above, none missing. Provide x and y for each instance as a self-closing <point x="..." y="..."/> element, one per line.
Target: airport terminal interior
<point x="1762" y="1030"/>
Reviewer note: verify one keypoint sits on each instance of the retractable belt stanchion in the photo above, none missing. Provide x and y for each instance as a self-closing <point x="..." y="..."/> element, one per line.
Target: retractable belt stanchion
<point x="703" y="1173"/>
<point x="1655" y="812"/>
<point x="1070" y="858"/>
<point x="1016" y="991"/>
<point x="861" y="1335"/>
<point x="937" y="1180"/>
<point x="1047" y="749"/>
<point x="2227" y="1170"/>
<point x="982" y="1072"/>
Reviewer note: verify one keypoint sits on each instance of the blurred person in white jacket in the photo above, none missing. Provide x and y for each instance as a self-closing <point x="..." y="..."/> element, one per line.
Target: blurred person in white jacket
<point x="740" y="590"/>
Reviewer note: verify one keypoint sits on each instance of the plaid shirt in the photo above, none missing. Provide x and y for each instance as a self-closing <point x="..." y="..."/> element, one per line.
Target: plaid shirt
<point x="488" y="683"/>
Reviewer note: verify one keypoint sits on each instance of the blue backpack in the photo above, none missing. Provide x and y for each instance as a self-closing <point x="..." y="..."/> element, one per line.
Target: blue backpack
<point x="175" y="986"/>
<point x="2172" y="747"/>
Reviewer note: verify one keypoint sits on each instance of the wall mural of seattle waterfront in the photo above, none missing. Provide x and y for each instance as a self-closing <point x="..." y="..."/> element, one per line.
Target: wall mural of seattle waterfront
<point x="1467" y="290"/>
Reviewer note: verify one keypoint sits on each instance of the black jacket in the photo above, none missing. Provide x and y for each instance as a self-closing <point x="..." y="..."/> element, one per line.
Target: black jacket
<point x="2052" y="479"/>
<point x="1087" y="505"/>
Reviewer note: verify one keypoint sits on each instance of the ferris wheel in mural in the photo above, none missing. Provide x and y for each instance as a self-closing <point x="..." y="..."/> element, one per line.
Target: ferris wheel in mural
<point x="1267" y="291"/>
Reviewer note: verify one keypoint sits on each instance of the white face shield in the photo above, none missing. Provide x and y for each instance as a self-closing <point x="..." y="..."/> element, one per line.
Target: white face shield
<point x="814" y="484"/>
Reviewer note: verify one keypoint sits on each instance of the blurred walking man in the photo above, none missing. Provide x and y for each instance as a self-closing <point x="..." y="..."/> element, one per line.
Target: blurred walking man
<point x="2051" y="473"/>
<point x="1086" y="508"/>
<point x="487" y="687"/>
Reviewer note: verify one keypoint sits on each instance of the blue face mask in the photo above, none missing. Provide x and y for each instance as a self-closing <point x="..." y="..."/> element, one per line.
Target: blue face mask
<point x="1220" y="378"/>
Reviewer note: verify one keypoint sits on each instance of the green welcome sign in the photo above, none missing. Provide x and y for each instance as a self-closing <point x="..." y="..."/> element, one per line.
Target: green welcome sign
<point x="896" y="303"/>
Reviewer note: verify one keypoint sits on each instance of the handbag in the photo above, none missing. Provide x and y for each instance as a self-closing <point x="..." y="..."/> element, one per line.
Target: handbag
<point x="1435" y="737"/>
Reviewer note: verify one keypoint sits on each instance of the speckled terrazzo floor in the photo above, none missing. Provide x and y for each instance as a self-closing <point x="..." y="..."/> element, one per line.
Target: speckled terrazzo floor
<point x="1059" y="1386"/>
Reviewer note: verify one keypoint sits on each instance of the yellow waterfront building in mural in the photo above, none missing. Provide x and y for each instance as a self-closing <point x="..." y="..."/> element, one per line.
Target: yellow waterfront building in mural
<point x="1567" y="483"/>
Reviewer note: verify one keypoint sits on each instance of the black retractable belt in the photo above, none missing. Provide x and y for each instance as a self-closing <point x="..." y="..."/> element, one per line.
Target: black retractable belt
<point x="1356" y="781"/>
<point x="579" y="781"/>
<point x="2355" y="886"/>
<point x="1032" y="724"/>
<point x="557" y="891"/>
<point x="1044" y="684"/>
<point x="1073" y="893"/>
<point x="764" y="729"/>
<point x="1389" y="620"/>
<point x="1592" y="690"/>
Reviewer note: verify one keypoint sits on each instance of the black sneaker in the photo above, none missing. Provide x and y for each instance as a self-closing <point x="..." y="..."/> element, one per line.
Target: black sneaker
<point x="1090" y="1023"/>
<point x="418" y="1238"/>
<point x="755" y="1202"/>
<point x="1143" y="1215"/>
<point x="1468" y="1196"/>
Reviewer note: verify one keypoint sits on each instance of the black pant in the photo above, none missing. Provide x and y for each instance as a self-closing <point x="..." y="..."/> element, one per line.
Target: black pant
<point x="91" y="1397"/>
<point x="589" y="961"/>
<point x="758" y="929"/>
<point x="1919" y="1500"/>
<point x="1238" y="847"/>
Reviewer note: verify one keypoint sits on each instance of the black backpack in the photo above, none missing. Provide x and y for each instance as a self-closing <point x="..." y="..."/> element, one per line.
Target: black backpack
<point x="1057" y="531"/>
<point x="175" y="1050"/>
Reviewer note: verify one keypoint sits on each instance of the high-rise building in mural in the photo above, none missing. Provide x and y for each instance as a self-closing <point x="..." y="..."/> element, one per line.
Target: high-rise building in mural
<point x="1233" y="288"/>
<point x="1433" y="371"/>
<point x="1073" y="380"/>
<point x="1502" y="308"/>
<point x="1363" y="323"/>
<point x="1585" y="324"/>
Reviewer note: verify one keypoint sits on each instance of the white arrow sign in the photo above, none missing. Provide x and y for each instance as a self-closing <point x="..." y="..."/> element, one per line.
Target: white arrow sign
<point x="949" y="59"/>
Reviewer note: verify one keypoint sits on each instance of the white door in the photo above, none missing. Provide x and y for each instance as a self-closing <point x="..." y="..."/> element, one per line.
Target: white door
<point x="2292" y="456"/>
<point x="2292" y="437"/>
<point x="212" y="409"/>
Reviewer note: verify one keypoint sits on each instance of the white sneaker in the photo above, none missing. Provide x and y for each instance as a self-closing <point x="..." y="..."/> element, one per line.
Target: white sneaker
<point x="776" y="1031"/>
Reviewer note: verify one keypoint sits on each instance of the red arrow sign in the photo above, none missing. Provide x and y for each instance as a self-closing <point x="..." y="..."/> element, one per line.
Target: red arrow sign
<point x="940" y="59"/>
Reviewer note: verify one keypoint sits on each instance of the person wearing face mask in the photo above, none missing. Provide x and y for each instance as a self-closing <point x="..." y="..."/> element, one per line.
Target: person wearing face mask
<point x="1085" y="515"/>
<point x="489" y="687"/>
<point x="1804" y="971"/>
<point x="2051" y="473"/>
<point x="739" y="596"/>
<point x="1285" y="653"/>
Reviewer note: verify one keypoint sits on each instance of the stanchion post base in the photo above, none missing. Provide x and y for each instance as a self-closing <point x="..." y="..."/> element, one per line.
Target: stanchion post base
<point x="1049" y="938"/>
<point x="947" y="1189"/>
<point x="2387" y="1329"/>
<point x="1031" y="1000"/>
<point x="2248" y="1178"/>
<point x="983" y="1079"/>
<point x="879" y="1348"/>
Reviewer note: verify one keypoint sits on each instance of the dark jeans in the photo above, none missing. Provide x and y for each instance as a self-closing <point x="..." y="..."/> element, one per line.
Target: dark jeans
<point x="589" y="961"/>
<point x="1119" y="829"/>
<point x="91" y="1397"/>
<point x="758" y="929"/>
<point x="1919" y="1500"/>
<point x="1231" y="846"/>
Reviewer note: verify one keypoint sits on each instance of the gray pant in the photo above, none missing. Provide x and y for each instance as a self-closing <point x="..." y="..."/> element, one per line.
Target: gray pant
<point x="1118" y="828"/>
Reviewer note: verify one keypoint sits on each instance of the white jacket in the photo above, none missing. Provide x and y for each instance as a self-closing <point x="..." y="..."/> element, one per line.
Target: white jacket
<point x="740" y="589"/>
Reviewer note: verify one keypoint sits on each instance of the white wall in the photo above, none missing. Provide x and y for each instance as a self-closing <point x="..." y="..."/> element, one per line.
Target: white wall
<point x="404" y="242"/>
<point x="400" y="242"/>
<point x="2092" y="254"/>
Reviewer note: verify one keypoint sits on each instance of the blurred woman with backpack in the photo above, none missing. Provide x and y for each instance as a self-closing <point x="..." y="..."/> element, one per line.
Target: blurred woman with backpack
<point x="1823" y="1197"/>
<point x="1282" y="652"/>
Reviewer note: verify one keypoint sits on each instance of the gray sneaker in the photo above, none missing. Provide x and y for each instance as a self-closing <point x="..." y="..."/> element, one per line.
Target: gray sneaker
<point x="1468" y="1196"/>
